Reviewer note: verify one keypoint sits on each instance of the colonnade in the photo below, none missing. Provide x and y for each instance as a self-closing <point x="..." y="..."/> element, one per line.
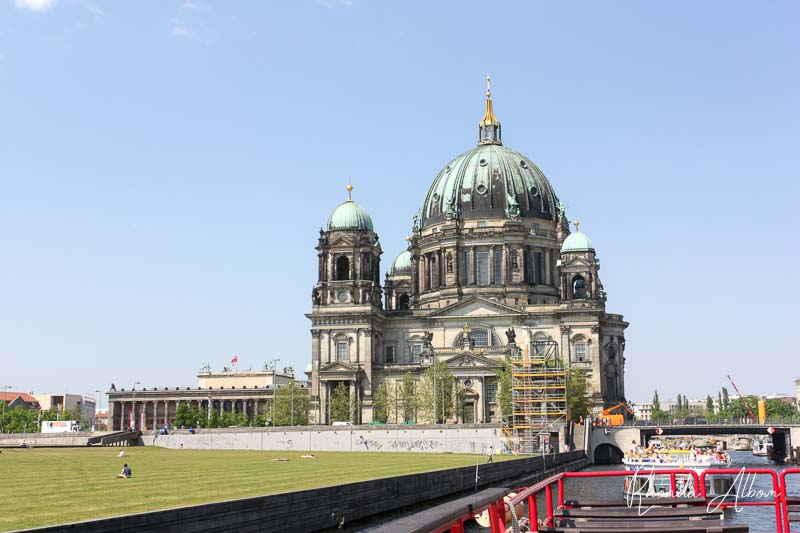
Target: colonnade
<point x="150" y="414"/>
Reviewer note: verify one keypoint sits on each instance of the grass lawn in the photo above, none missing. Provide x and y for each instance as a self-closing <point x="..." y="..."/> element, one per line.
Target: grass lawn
<point x="51" y="486"/>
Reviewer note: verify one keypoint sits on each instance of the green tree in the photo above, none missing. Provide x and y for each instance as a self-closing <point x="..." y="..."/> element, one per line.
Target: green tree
<point x="443" y="388"/>
<point x="577" y="394"/>
<point x="214" y="420"/>
<point x="19" y="419"/>
<point x="656" y="403"/>
<point x="380" y="404"/>
<point x="657" y="414"/>
<point x="409" y="398"/>
<point x="709" y="405"/>
<point x="291" y="405"/>
<point x="726" y="401"/>
<point x="737" y="408"/>
<point x="182" y="416"/>
<point x="340" y="403"/>
<point x="780" y="409"/>
<point x="505" y="395"/>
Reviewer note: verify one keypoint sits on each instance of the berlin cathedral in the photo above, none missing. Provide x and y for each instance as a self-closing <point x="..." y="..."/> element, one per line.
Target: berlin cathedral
<point x="490" y="263"/>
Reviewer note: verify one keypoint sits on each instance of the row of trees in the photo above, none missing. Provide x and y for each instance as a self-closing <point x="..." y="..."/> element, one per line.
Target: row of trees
<point x="412" y="400"/>
<point x="21" y="420"/>
<point x="725" y="408"/>
<point x="289" y="407"/>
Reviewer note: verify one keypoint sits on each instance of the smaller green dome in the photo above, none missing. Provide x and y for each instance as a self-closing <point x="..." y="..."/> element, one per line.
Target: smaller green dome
<point x="577" y="242"/>
<point x="308" y="368"/>
<point x="349" y="215"/>
<point x="402" y="264"/>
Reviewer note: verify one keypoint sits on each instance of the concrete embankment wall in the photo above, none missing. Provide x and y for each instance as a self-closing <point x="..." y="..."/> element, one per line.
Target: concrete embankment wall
<point x="471" y="439"/>
<point x="331" y="507"/>
<point x="47" y="439"/>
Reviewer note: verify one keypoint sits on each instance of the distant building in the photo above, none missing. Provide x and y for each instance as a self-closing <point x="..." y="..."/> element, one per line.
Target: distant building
<point x="797" y="392"/>
<point x="229" y="391"/>
<point x="64" y="401"/>
<point x="19" y="399"/>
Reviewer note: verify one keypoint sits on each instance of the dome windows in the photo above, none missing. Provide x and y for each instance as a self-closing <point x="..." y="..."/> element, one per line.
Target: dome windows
<point x="523" y="163"/>
<point x="483" y="162"/>
<point x="481" y="189"/>
<point x="534" y="190"/>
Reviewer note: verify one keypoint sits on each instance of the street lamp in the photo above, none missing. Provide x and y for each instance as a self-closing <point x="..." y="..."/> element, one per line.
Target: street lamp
<point x="99" y="400"/>
<point x="274" y="390"/>
<point x="5" y="389"/>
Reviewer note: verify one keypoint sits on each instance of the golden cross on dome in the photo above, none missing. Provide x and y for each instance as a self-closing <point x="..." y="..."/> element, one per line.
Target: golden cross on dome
<point x="488" y="86"/>
<point x="577" y="224"/>
<point x="349" y="192"/>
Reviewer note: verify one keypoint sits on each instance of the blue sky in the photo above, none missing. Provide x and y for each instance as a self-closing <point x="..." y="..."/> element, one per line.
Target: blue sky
<point x="165" y="167"/>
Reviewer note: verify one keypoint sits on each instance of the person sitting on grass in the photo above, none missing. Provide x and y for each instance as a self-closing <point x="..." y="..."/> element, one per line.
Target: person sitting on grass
<point x="126" y="472"/>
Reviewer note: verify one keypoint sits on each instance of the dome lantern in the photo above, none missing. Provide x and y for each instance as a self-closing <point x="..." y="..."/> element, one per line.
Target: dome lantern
<point x="489" y="127"/>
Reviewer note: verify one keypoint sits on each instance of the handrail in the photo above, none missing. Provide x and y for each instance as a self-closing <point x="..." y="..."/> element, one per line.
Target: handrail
<point x="777" y="502"/>
<point x="785" y="496"/>
<point x="531" y="492"/>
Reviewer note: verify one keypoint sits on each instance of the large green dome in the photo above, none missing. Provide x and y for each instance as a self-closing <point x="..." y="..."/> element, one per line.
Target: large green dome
<point x="402" y="264"/>
<point x="490" y="181"/>
<point x="349" y="215"/>
<point x="577" y="242"/>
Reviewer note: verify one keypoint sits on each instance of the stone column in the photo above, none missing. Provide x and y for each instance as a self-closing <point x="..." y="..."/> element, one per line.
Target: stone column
<point x="491" y="264"/>
<point x="547" y="260"/>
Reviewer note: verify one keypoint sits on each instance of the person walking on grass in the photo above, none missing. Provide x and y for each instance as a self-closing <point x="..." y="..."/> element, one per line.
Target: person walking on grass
<point x="490" y="454"/>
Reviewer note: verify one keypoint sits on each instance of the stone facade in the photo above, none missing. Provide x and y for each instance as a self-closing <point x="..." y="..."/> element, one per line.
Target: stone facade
<point x="490" y="252"/>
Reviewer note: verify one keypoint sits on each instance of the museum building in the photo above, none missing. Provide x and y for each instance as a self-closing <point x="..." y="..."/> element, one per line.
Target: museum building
<point x="490" y="267"/>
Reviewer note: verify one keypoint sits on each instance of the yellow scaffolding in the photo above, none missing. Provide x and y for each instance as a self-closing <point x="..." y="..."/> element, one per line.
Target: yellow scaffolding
<point x="539" y="396"/>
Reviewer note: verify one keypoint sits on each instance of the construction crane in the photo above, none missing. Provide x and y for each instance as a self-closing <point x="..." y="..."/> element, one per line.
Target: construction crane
<point x="616" y="420"/>
<point x="744" y="400"/>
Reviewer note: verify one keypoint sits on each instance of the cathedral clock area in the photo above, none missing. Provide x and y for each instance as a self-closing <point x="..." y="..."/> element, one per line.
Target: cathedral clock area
<point x="490" y="273"/>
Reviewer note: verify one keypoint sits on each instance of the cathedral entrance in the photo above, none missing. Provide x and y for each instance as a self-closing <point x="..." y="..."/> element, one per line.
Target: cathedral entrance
<point x="469" y="412"/>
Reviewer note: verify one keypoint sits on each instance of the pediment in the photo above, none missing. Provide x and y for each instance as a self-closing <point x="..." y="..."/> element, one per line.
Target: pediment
<point x="338" y="367"/>
<point x="577" y="261"/>
<point x="343" y="240"/>
<point x="475" y="307"/>
<point x="468" y="359"/>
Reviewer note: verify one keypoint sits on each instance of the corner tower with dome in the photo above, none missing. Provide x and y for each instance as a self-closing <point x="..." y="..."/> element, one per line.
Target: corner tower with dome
<point x="490" y="267"/>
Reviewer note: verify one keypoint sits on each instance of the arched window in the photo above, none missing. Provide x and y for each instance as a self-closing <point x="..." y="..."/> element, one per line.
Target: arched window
<point x="580" y="349"/>
<point x="342" y="350"/>
<point x="402" y="301"/>
<point x="539" y="343"/>
<point x="578" y="288"/>
<point x="342" y="268"/>
<point x="480" y="337"/>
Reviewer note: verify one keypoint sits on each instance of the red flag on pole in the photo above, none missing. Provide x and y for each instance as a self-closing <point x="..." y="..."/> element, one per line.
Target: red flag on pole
<point x="235" y="359"/>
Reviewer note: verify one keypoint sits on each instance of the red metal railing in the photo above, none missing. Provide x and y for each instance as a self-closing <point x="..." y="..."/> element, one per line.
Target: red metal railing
<point x="497" y="516"/>
<point x="787" y="528"/>
<point x="777" y="501"/>
<point x="531" y="494"/>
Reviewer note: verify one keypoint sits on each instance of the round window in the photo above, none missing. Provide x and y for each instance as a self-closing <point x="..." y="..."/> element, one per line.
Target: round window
<point x="447" y="168"/>
<point x="468" y="383"/>
<point x="483" y="162"/>
<point x="534" y="191"/>
<point x="523" y="163"/>
<point x="435" y="197"/>
<point x="481" y="189"/>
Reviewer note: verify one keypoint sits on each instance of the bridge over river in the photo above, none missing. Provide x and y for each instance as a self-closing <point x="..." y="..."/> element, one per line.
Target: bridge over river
<point x="608" y="444"/>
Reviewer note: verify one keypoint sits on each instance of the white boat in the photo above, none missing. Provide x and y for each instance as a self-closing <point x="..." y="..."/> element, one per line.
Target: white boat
<point x="742" y="444"/>
<point x="762" y="447"/>
<point x="646" y="464"/>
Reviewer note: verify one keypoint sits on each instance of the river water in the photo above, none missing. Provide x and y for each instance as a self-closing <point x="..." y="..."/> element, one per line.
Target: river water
<point x="760" y="519"/>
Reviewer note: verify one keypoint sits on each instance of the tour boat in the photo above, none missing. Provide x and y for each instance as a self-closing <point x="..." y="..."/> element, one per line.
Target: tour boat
<point x="646" y="464"/>
<point x="762" y="447"/>
<point x="742" y="444"/>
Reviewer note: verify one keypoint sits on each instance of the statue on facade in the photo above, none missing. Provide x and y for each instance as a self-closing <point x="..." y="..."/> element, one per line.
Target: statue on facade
<point x="511" y="336"/>
<point x="205" y="367"/>
<point x="512" y="207"/>
<point x="315" y="296"/>
<point x="561" y="211"/>
<point x="449" y="263"/>
<point x="427" y="340"/>
<point x="415" y="218"/>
